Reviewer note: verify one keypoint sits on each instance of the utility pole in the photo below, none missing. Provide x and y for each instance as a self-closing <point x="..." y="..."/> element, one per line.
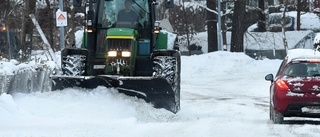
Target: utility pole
<point x="61" y="27"/>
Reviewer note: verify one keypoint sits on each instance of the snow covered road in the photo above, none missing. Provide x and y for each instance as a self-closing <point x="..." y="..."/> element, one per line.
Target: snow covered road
<point x="223" y="95"/>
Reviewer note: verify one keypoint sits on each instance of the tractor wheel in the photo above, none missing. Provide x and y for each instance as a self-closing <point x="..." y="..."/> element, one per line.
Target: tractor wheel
<point x="168" y="67"/>
<point x="73" y="65"/>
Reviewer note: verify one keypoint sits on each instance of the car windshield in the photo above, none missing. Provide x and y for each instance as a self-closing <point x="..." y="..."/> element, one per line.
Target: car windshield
<point x="123" y="13"/>
<point x="302" y="69"/>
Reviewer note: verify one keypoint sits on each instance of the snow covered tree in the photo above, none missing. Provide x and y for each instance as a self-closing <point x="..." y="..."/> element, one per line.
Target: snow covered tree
<point x="186" y="18"/>
<point x="11" y="14"/>
<point x="188" y="22"/>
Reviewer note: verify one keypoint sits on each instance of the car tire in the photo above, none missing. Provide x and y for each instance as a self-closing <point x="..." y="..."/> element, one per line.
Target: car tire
<point x="270" y="112"/>
<point x="277" y="118"/>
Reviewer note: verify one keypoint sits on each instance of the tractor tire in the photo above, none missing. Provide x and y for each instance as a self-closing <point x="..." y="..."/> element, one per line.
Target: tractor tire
<point x="73" y="65"/>
<point x="168" y="67"/>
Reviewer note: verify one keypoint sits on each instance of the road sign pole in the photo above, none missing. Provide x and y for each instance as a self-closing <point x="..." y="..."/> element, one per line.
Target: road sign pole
<point x="61" y="27"/>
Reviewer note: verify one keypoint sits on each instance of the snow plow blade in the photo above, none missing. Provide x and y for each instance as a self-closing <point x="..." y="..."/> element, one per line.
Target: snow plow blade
<point x="156" y="91"/>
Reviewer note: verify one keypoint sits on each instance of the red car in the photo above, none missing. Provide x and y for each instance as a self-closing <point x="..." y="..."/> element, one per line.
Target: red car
<point x="295" y="90"/>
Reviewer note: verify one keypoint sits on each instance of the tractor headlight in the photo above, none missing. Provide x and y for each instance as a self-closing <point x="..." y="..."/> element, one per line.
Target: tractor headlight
<point x="112" y="53"/>
<point x="126" y="54"/>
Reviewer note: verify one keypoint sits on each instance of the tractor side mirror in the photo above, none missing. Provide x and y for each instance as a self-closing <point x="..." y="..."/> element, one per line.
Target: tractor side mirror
<point x="169" y="4"/>
<point x="77" y="3"/>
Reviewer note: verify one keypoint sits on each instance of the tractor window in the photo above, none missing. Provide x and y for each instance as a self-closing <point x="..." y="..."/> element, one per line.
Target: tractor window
<point x="110" y="13"/>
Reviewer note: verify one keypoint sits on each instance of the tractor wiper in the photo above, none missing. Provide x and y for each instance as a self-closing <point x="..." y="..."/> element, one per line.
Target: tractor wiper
<point x="140" y="7"/>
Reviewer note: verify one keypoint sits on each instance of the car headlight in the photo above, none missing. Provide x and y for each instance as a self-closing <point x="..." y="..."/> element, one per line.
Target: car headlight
<point x="126" y="54"/>
<point x="112" y="53"/>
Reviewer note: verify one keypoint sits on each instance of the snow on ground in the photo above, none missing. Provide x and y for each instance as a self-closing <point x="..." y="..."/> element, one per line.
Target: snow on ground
<point x="223" y="94"/>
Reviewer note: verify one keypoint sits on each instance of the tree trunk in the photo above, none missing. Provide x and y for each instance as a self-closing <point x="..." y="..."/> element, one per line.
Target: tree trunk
<point x="50" y="24"/>
<point x="212" y="27"/>
<point x="224" y="32"/>
<point x="262" y="16"/>
<point x="284" y="38"/>
<point x="270" y="2"/>
<point x="298" y="14"/>
<point x="70" y="29"/>
<point x="238" y="26"/>
<point x="27" y="26"/>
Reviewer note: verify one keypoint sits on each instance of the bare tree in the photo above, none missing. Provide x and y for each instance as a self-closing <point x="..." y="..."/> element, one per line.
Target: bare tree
<point x="27" y="26"/>
<point x="238" y="26"/>
<point x="47" y="23"/>
<point x="187" y="20"/>
<point x="10" y="14"/>
<point x="163" y="12"/>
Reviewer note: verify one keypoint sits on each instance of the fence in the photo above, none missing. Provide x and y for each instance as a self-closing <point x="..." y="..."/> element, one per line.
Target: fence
<point x="26" y="82"/>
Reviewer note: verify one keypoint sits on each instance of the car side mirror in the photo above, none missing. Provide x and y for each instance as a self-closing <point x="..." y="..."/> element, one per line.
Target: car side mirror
<point x="269" y="77"/>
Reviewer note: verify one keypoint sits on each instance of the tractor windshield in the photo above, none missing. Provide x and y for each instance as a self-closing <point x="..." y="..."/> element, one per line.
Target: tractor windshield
<point x="123" y="13"/>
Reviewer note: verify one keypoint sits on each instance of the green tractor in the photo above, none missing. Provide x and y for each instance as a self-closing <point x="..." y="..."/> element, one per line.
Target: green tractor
<point x="130" y="54"/>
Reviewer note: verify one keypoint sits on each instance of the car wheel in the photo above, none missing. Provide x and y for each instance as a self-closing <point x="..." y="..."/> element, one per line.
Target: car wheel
<point x="277" y="118"/>
<point x="270" y="112"/>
